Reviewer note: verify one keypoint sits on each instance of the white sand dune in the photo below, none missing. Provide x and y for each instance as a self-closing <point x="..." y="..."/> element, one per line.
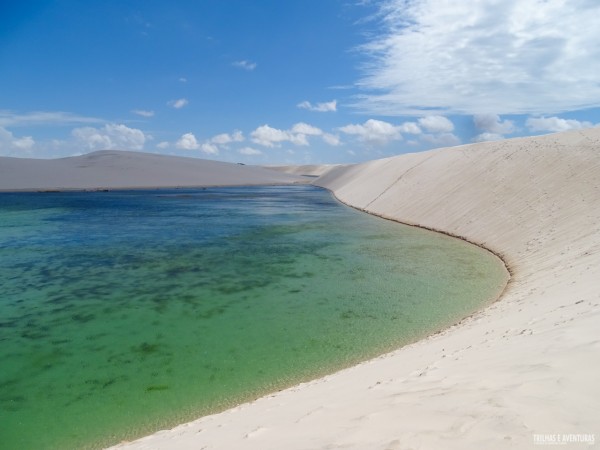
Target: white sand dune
<point x="307" y="170"/>
<point x="111" y="169"/>
<point x="527" y="365"/>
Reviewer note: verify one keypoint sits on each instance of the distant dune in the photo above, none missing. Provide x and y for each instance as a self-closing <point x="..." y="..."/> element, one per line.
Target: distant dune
<point x="112" y="169"/>
<point x="308" y="170"/>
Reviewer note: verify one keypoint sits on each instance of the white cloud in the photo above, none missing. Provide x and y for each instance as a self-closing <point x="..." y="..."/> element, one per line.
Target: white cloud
<point x="178" y="104"/>
<point x="273" y="137"/>
<point x="410" y="128"/>
<point x="209" y="149"/>
<point x="187" y="142"/>
<point x="269" y="136"/>
<point x="143" y="112"/>
<point x="246" y="65"/>
<point x="319" y="107"/>
<point x="210" y="146"/>
<point x="306" y="129"/>
<point x="24" y="143"/>
<point x="13" y="146"/>
<point x="488" y="136"/>
<point x="332" y="139"/>
<point x="492" y="123"/>
<point x="374" y="132"/>
<point x="224" y="138"/>
<point x="492" y="127"/>
<point x="163" y="145"/>
<point x="111" y="136"/>
<point x="249" y="151"/>
<point x="183" y="79"/>
<point x="483" y="56"/>
<point x="555" y="124"/>
<point x="10" y="119"/>
<point x="436" y="124"/>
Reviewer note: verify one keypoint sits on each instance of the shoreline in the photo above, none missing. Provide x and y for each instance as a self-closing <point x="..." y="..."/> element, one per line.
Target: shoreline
<point x="145" y="188"/>
<point x="497" y="254"/>
<point x="515" y="370"/>
<point x="509" y="270"/>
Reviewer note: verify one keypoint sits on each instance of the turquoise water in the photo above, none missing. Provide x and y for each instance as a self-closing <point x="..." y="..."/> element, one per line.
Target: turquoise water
<point x="122" y="313"/>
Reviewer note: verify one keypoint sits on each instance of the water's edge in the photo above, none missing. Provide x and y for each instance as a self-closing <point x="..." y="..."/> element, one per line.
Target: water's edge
<point x="509" y="276"/>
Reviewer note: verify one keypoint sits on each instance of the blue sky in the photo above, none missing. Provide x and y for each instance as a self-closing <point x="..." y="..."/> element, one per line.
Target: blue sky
<point x="297" y="81"/>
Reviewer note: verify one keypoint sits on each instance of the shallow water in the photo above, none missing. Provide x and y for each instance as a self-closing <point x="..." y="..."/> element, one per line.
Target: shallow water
<point x="122" y="313"/>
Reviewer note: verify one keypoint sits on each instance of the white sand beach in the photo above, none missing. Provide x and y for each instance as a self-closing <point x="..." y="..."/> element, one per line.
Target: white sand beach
<point x="522" y="372"/>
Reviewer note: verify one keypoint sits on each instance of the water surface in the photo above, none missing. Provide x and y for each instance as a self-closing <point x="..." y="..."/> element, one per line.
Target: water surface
<point x="122" y="313"/>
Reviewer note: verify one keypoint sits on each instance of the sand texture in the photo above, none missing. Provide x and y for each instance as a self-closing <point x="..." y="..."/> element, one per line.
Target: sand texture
<point x="111" y="169"/>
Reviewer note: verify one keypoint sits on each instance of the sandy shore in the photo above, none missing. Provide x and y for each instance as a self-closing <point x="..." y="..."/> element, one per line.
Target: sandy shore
<point x="525" y="368"/>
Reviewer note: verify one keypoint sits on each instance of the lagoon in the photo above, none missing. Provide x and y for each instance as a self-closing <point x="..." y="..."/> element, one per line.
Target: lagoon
<point x="125" y="312"/>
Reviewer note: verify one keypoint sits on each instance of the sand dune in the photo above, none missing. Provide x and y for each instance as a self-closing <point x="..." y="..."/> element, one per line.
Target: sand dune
<point x="307" y="170"/>
<point x="526" y="366"/>
<point x="111" y="169"/>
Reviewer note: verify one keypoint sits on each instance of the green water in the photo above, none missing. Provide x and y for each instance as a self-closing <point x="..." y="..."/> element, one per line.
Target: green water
<point x="122" y="313"/>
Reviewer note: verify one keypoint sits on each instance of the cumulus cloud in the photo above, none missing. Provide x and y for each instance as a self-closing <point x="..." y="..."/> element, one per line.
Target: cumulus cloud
<point x="268" y="136"/>
<point x="163" y="145"/>
<point x="209" y="149"/>
<point x="410" y="128"/>
<point x="210" y="146"/>
<point x="178" y="104"/>
<point x="436" y="124"/>
<point x="14" y="146"/>
<point x="493" y="124"/>
<point x="332" y="139"/>
<point x="245" y="65"/>
<point x="306" y="129"/>
<point x="187" y="142"/>
<point x="249" y="151"/>
<point x="376" y="132"/>
<point x="143" y="112"/>
<point x="319" y="107"/>
<point x="483" y="56"/>
<point x="492" y="127"/>
<point x="555" y="124"/>
<point x="110" y="136"/>
<point x="273" y="137"/>
<point x="225" y="138"/>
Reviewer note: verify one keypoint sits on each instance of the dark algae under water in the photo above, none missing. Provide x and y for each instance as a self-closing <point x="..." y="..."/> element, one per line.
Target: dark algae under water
<point x="125" y="312"/>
